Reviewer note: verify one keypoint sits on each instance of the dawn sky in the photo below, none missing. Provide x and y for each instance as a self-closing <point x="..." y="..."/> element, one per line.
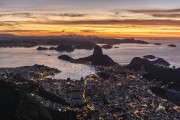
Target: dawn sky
<point x="108" y="18"/>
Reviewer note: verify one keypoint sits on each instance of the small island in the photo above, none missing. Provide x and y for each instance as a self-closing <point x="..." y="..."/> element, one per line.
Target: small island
<point x="157" y="44"/>
<point x="106" y="46"/>
<point x="41" y="48"/>
<point x="63" y="47"/>
<point x="116" y="47"/>
<point x="172" y="45"/>
<point x="65" y="57"/>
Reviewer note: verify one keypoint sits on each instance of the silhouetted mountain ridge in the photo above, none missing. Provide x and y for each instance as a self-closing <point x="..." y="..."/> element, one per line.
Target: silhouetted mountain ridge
<point x="30" y="41"/>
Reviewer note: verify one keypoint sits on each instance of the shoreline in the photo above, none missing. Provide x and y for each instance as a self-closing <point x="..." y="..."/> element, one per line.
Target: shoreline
<point x="108" y="85"/>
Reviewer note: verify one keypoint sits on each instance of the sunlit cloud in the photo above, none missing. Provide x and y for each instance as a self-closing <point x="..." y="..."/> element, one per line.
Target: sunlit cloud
<point x="8" y="23"/>
<point x="102" y="18"/>
<point x="22" y="30"/>
<point x="110" y="22"/>
<point x="154" y="10"/>
<point x="29" y="15"/>
<point x="166" y="13"/>
<point x="88" y="31"/>
<point x="66" y="14"/>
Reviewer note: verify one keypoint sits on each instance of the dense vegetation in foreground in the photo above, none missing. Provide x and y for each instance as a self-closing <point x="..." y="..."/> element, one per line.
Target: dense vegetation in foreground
<point x="17" y="104"/>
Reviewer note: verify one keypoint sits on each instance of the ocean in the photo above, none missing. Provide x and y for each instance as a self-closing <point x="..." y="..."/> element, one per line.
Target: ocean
<point x="16" y="57"/>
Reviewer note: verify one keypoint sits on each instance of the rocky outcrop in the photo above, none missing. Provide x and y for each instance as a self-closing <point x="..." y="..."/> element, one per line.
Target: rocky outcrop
<point x="167" y="76"/>
<point x="138" y="62"/>
<point x="157" y="44"/>
<point x="172" y="45"/>
<point x="97" y="50"/>
<point x="149" y="56"/>
<point x="63" y="47"/>
<point x="98" y="58"/>
<point x="161" y="62"/>
<point x="107" y="46"/>
<point x="42" y="48"/>
<point x="65" y="57"/>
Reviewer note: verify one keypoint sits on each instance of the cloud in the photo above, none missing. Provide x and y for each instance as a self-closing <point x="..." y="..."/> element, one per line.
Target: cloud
<point x="66" y="14"/>
<point x="28" y="15"/>
<point x="72" y="15"/>
<point x="166" y="15"/>
<point x="154" y="10"/>
<point x="62" y="31"/>
<point x="41" y="15"/>
<point x="23" y="31"/>
<point x="110" y="22"/>
<point x="87" y="30"/>
<point x="7" y="23"/>
<point x="92" y="22"/>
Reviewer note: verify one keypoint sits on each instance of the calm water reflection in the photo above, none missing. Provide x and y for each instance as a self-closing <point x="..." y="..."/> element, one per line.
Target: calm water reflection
<point x="16" y="57"/>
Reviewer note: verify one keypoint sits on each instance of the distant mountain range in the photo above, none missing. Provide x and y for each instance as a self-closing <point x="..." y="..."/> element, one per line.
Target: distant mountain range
<point x="5" y="36"/>
<point x="9" y="40"/>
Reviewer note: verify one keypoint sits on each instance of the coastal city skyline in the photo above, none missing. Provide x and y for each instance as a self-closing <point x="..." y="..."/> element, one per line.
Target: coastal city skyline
<point x="115" y="18"/>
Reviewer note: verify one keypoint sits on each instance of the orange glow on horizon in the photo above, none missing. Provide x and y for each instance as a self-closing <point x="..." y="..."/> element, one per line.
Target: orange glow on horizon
<point x="103" y="25"/>
<point x="99" y="34"/>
